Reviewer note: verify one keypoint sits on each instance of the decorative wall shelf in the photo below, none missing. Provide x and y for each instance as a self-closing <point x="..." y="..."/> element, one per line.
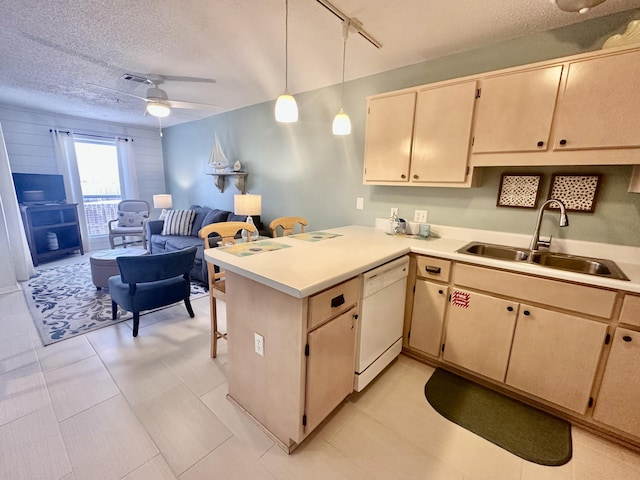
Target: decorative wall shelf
<point x="219" y="180"/>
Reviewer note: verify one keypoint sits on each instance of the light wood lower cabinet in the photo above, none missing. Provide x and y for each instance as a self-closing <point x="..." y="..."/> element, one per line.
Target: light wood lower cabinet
<point x="427" y="319"/>
<point x="330" y="366"/>
<point x="618" y="401"/>
<point x="555" y="356"/>
<point x="479" y="333"/>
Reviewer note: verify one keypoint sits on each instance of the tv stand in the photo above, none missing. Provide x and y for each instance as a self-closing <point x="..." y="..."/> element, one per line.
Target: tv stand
<point x="52" y="230"/>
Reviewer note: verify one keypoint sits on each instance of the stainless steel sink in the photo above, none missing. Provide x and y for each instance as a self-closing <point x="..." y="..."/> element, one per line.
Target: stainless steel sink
<point x="561" y="261"/>
<point x="573" y="263"/>
<point x="500" y="252"/>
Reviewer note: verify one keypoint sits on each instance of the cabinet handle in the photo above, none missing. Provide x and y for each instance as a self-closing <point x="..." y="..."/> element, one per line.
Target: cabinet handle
<point x="440" y="292"/>
<point x="415" y="177"/>
<point x="627" y="338"/>
<point x="431" y="269"/>
<point x="563" y="142"/>
<point x="337" y="301"/>
<point x="403" y="176"/>
<point x="509" y="308"/>
<point x="541" y="144"/>
<point x="526" y="313"/>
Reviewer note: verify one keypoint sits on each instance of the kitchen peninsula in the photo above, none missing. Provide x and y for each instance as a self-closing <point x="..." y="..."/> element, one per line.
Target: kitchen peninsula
<point x="292" y="313"/>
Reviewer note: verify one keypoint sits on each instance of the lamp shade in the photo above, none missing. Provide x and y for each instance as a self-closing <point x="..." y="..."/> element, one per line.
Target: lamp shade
<point x="158" y="109"/>
<point x="247" y="204"/>
<point x="341" y="123"/>
<point x="286" y="109"/>
<point x="163" y="200"/>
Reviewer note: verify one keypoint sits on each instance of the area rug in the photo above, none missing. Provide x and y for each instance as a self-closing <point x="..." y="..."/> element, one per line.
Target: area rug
<point x="64" y="302"/>
<point x="518" y="428"/>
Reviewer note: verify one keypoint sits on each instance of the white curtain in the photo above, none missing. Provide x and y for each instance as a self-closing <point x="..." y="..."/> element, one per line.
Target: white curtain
<point x="65" y="151"/>
<point x="15" y="262"/>
<point x="127" y="168"/>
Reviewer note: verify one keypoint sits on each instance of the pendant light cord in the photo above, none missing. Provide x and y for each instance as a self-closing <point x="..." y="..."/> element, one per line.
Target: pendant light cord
<point x="286" y="45"/>
<point x="345" y="34"/>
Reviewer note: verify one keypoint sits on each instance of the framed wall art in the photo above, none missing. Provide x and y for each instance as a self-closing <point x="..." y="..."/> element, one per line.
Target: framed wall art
<point x="519" y="190"/>
<point x="578" y="192"/>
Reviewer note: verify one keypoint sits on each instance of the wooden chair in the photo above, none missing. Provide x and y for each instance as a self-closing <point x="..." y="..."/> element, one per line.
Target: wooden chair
<point x="217" y="291"/>
<point x="132" y="215"/>
<point x="287" y="224"/>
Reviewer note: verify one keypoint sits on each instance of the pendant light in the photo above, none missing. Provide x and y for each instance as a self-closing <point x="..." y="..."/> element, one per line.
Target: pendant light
<point x="342" y="122"/>
<point x="286" y="107"/>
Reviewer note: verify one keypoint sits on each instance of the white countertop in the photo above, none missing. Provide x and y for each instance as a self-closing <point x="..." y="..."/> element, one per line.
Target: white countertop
<point x="306" y="268"/>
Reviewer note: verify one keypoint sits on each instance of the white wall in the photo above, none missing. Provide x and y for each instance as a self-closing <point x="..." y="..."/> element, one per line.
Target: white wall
<point x="30" y="148"/>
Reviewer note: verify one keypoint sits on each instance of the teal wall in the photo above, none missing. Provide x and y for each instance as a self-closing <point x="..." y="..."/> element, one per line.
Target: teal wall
<point x="302" y="169"/>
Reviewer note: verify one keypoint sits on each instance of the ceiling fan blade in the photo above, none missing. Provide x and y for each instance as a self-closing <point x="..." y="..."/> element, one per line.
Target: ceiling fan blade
<point x="181" y="78"/>
<point x="194" y="106"/>
<point x="118" y="91"/>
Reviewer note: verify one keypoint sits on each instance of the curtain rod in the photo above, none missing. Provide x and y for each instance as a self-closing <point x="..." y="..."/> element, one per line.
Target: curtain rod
<point x="92" y="135"/>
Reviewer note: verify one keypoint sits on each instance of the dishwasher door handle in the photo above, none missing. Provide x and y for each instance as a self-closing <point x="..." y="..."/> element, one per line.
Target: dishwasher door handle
<point x="337" y="301"/>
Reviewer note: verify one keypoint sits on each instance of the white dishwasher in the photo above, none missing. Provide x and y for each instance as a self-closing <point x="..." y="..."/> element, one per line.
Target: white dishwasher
<point x="381" y="323"/>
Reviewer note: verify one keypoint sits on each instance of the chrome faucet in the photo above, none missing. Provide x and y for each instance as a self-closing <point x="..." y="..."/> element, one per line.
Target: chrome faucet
<point x="536" y="243"/>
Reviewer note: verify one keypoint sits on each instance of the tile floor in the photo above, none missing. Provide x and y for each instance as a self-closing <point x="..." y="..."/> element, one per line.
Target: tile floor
<point x="107" y="406"/>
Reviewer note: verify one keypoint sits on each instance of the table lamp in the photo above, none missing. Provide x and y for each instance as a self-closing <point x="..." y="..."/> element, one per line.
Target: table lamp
<point x="162" y="201"/>
<point x="248" y="205"/>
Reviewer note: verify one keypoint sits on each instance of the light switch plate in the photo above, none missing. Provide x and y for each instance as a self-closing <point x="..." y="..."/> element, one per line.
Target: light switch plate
<point x="420" y="216"/>
<point x="359" y="203"/>
<point x="259" y="344"/>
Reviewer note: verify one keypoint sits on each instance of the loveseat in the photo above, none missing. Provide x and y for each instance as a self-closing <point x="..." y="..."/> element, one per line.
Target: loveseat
<point x="157" y="242"/>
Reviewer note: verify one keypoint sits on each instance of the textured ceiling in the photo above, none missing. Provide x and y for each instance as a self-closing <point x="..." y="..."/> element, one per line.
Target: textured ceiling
<point x="52" y="52"/>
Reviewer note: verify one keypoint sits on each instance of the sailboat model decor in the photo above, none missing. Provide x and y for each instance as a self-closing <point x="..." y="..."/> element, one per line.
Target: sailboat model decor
<point x="219" y="163"/>
<point x="217" y="160"/>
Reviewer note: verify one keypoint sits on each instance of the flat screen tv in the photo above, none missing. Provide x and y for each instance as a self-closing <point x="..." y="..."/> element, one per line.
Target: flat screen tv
<point x="39" y="189"/>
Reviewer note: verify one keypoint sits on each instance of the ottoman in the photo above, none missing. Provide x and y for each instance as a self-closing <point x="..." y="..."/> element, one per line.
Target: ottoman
<point x="104" y="264"/>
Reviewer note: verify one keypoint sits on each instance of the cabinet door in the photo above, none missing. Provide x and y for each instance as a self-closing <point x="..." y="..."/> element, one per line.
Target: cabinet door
<point x="515" y="111"/>
<point x="429" y="302"/>
<point x="330" y="367"/>
<point x="442" y="133"/>
<point x="619" y="396"/>
<point x="387" y="149"/>
<point x="479" y="333"/>
<point x="600" y="104"/>
<point x="555" y="356"/>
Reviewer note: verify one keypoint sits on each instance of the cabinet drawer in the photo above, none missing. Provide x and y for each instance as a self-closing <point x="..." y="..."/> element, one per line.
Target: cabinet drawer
<point x="569" y="296"/>
<point x="630" y="313"/>
<point x="331" y="302"/>
<point x="433" y="268"/>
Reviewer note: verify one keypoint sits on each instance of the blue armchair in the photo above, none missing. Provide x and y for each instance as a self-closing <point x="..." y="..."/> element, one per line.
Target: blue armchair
<point x="151" y="281"/>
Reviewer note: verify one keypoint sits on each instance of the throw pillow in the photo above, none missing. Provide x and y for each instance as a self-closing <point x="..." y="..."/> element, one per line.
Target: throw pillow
<point x="132" y="219"/>
<point x="215" y="216"/>
<point x="178" y="222"/>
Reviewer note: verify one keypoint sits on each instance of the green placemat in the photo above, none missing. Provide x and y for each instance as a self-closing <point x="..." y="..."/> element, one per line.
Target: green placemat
<point x="520" y="429"/>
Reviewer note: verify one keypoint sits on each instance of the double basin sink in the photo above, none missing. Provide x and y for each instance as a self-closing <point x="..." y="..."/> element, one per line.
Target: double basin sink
<point x="561" y="261"/>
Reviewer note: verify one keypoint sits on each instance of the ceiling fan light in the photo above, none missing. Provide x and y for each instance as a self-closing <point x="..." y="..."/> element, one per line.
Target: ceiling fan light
<point x="158" y="109"/>
<point x="286" y="109"/>
<point x="341" y="123"/>
<point x="580" y="6"/>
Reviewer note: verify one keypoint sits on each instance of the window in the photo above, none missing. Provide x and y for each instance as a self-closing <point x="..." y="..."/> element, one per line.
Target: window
<point x="100" y="182"/>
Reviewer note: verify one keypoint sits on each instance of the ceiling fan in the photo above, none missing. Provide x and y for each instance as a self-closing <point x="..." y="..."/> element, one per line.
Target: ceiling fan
<point x="158" y="103"/>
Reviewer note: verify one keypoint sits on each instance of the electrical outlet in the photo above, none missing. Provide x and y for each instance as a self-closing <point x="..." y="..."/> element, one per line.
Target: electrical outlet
<point x="259" y="344"/>
<point x="359" y="203"/>
<point x="394" y="211"/>
<point x="420" y="216"/>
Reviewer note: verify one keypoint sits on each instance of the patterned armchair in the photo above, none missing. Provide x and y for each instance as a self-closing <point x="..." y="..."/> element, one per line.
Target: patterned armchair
<point x="132" y="215"/>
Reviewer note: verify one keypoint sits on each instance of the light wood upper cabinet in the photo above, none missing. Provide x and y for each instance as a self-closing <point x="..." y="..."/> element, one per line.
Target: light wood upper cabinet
<point x="387" y="149"/>
<point x="514" y="111"/>
<point x="617" y="402"/>
<point x="442" y="133"/>
<point x="479" y="333"/>
<point x="600" y="104"/>
<point x="555" y="356"/>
